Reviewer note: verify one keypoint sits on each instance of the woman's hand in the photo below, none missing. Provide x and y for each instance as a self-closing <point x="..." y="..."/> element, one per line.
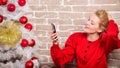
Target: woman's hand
<point x="54" y="38"/>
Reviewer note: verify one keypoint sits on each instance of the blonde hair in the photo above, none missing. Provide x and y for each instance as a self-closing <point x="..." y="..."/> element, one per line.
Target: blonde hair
<point x="103" y="16"/>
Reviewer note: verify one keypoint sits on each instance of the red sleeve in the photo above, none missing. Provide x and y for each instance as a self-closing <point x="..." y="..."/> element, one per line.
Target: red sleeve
<point x="65" y="55"/>
<point x="119" y="43"/>
<point x="110" y="37"/>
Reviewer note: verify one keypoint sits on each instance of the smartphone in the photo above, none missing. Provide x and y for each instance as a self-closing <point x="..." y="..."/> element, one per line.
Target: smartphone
<point x="53" y="28"/>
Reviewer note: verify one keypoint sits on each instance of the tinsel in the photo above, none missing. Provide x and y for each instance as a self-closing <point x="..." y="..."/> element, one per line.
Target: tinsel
<point x="9" y="54"/>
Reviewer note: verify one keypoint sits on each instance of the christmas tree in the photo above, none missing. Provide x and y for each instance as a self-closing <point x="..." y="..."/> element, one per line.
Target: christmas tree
<point x="17" y="39"/>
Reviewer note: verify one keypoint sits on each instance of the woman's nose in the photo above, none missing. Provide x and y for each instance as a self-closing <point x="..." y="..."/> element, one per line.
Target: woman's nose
<point x="88" y="22"/>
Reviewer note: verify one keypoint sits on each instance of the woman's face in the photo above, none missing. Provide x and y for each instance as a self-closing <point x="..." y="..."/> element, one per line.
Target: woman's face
<point x="92" y="25"/>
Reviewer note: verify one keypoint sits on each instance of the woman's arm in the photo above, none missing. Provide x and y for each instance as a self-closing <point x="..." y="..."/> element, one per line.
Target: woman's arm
<point x="112" y="27"/>
<point x="110" y="37"/>
<point x="65" y="55"/>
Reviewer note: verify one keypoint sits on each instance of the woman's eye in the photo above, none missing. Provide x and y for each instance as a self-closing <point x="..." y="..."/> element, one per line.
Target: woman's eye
<point x="92" y="24"/>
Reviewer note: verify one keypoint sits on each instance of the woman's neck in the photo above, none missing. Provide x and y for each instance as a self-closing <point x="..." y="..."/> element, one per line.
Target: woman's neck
<point x="93" y="37"/>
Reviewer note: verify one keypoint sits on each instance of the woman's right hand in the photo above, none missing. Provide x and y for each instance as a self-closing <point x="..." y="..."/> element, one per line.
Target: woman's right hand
<point x="54" y="38"/>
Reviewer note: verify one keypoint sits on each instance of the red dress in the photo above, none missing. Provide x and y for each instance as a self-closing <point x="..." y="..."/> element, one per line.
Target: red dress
<point x="88" y="54"/>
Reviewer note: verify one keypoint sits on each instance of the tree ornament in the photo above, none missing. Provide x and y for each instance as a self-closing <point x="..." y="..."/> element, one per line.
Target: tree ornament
<point x="28" y="26"/>
<point x="32" y="43"/>
<point x="21" y="2"/>
<point x="4" y="2"/>
<point x="10" y="33"/>
<point x="24" y="43"/>
<point x="34" y="58"/>
<point x="23" y="20"/>
<point x="29" y="64"/>
<point x="11" y="7"/>
<point x="1" y="18"/>
<point x="0" y="2"/>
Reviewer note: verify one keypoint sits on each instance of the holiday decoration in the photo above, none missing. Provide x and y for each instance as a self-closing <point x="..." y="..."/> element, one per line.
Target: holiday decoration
<point x="18" y="44"/>
<point x="32" y="42"/>
<point x="35" y="61"/>
<point x="34" y="58"/>
<point x="1" y="18"/>
<point x="23" y="20"/>
<point x="11" y="7"/>
<point x="21" y="2"/>
<point x="10" y="33"/>
<point x="28" y="26"/>
<point x="4" y="2"/>
<point x="29" y="64"/>
<point x="0" y="2"/>
<point x="24" y="43"/>
<point x="9" y="54"/>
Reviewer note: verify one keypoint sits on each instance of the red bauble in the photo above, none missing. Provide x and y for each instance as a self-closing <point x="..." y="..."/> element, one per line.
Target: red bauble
<point x="0" y="2"/>
<point x="23" y="20"/>
<point x="4" y="2"/>
<point x="21" y="2"/>
<point x="34" y="58"/>
<point x="1" y="18"/>
<point x="29" y="64"/>
<point x="24" y="43"/>
<point x="32" y="42"/>
<point x="11" y="7"/>
<point x="28" y="26"/>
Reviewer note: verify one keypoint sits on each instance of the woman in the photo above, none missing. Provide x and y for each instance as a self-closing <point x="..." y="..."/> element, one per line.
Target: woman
<point x="90" y="48"/>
